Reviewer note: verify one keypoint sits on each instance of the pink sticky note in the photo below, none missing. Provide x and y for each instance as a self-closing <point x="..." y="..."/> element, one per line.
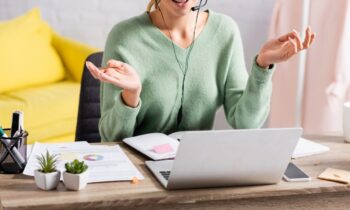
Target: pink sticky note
<point x="163" y="148"/>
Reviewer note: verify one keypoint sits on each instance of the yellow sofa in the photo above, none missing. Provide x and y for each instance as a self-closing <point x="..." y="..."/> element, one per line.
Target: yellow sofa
<point x="40" y="74"/>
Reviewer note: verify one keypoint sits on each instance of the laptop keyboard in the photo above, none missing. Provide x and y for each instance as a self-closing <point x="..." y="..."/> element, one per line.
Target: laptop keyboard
<point x="165" y="174"/>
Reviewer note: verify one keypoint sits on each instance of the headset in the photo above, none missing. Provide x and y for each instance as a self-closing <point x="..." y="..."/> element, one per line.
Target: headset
<point x="196" y="8"/>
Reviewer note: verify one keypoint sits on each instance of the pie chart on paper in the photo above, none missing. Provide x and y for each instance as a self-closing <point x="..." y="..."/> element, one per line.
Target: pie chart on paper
<point x="93" y="157"/>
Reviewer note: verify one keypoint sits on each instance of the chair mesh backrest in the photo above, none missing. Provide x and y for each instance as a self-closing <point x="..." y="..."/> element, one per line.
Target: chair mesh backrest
<point x="89" y="104"/>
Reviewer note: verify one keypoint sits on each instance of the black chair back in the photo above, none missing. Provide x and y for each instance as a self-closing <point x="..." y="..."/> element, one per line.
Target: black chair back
<point x="89" y="104"/>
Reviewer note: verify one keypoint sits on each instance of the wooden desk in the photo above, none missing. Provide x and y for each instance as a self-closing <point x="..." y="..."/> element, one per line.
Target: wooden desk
<point x="20" y="192"/>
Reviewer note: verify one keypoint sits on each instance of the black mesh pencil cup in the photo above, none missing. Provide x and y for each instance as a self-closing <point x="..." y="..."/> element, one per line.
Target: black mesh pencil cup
<point x="13" y="152"/>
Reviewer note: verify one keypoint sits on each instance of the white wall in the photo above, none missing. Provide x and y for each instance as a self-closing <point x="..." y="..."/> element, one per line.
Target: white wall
<point x="90" y="20"/>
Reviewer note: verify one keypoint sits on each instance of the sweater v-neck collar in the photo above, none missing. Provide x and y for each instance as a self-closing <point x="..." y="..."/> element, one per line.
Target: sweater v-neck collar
<point x="162" y="36"/>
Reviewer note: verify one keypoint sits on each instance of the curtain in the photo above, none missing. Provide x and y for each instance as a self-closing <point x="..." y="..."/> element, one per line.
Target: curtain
<point x="327" y="76"/>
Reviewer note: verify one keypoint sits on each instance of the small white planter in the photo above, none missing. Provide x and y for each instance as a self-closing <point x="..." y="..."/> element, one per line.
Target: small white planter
<point x="47" y="181"/>
<point x="75" y="181"/>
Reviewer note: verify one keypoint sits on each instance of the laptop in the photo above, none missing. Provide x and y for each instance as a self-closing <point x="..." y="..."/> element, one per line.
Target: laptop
<point x="228" y="158"/>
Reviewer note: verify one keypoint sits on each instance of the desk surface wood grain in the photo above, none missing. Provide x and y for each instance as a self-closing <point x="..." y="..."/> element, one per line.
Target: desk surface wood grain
<point x="20" y="192"/>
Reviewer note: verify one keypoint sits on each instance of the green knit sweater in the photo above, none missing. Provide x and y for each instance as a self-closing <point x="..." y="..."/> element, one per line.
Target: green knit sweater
<point x="216" y="76"/>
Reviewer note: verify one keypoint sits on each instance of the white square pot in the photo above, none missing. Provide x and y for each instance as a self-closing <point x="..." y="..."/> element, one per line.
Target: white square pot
<point x="47" y="181"/>
<point x="75" y="181"/>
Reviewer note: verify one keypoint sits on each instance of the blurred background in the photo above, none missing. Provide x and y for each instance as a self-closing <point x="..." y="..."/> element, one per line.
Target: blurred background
<point x="89" y="21"/>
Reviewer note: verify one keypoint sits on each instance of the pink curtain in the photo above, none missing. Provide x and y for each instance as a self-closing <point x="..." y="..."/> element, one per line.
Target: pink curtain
<point x="327" y="76"/>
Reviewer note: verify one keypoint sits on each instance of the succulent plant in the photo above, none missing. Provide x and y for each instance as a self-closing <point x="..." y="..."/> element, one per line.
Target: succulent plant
<point x="47" y="163"/>
<point x="76" y="167"/>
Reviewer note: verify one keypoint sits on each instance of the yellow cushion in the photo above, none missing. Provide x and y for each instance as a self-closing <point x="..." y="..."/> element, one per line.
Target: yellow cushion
<point x="53" y="132"/>
<point x="58" y="139"/>
<point x="73" y="55"/>
<point x="27" y="57"/>
<point x="50" y="110"/>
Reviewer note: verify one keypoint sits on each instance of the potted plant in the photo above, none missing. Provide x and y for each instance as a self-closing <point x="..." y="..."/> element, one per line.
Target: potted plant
<point x="76" y="175"/>
<point x="47" y="176"/>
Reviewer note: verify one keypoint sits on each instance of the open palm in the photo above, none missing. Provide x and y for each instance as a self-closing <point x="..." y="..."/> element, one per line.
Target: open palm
<point x="120" y="74"/>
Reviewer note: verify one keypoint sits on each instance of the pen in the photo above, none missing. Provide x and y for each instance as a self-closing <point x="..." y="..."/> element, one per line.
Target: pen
<point x="2" y="134"/>
<point x="17" y="134"/>
<point x="17" y="154"/>
<point x="21" y="121"/>
<point x="17" y="122"/>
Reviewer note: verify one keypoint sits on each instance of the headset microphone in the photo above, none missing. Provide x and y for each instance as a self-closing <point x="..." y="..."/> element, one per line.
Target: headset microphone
<point x="199" y="6"/>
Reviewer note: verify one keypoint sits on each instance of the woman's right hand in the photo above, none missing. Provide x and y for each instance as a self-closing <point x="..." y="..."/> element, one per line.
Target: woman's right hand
<point x="121" y="75"/>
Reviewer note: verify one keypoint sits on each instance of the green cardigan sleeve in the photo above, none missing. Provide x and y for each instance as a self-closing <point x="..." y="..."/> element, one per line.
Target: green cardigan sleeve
<point x="246" y="98"/>
<point x="117" y="119"/>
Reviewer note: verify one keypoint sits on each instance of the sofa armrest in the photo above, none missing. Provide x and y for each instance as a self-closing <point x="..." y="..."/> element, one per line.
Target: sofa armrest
<point x="73" y="55"/>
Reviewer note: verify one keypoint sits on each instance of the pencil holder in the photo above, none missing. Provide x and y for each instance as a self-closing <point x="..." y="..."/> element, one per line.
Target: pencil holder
<point x="13" y="152"/>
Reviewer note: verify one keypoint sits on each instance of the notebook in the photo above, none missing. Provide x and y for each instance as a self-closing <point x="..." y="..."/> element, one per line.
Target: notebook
<point x="307" y="148"/>
<point x="156" y="146"/>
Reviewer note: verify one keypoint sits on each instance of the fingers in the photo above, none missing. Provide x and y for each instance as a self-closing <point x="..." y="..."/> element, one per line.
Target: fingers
<point x="285" y="38"/>
<point x="116" y="64"/>
<point x="298" y="40"/>
<point x="307" y="38"/>
<point x="293" y="43"/>
<point x="113" y="73"/>
<point x="92" y="69"/>
<point x="313" y="36"/>
<point x="110" y="70"/>
<point x="101" y="74"/>
<point x="110" y="79"/>
<point x="289" y="49"/>
<point x="288" y="45"/>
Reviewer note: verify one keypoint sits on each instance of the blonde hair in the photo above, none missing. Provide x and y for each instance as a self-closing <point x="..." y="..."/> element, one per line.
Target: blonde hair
<point x="151" y="4"/>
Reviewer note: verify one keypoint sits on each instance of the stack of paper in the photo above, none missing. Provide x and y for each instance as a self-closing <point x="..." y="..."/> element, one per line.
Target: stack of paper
<point x="106" y="163"/>
<point x="307" y="148"/>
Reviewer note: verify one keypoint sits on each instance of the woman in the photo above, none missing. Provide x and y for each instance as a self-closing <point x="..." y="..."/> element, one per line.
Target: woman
<point x="171" y="68"/>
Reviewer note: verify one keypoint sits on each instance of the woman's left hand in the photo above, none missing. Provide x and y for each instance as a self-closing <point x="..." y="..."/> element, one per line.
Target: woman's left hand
<point x="283" y="48"/>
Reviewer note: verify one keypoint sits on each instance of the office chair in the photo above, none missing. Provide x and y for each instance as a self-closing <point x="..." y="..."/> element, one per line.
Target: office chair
<point x="89" y="104"/>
